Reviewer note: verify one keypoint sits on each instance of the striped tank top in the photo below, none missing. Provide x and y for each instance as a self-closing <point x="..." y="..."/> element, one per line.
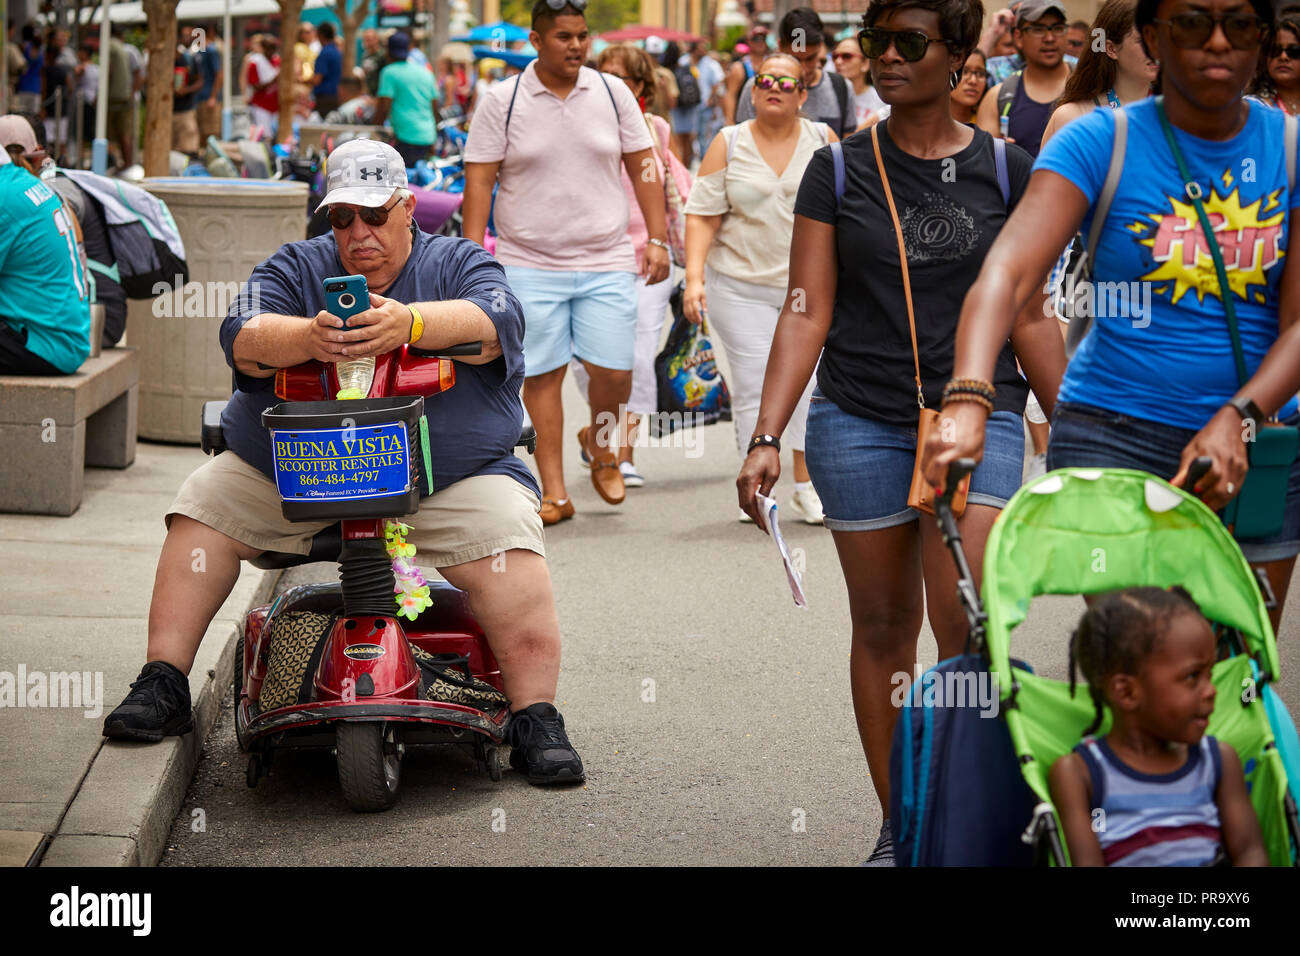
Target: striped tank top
<point x="1155" y="819"/>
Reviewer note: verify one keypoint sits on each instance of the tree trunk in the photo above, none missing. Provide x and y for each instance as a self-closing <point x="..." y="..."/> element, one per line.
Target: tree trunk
<point x="290" y="15"/>
<point x="352" y="20"/>
<point x="161" y="47"/>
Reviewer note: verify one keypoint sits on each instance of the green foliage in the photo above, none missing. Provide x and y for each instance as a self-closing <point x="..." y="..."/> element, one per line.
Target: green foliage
<point x="731" y="37"/>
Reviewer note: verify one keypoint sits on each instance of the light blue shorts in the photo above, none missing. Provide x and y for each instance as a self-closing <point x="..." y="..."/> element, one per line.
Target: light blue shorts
<point x="587" y="315"/>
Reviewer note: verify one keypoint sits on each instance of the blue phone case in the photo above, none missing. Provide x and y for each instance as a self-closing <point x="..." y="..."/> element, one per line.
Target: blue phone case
<point x="347" y="301"/>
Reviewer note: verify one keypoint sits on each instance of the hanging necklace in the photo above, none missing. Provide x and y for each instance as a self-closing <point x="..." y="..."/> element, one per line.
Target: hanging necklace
<point x="1113" y="99"/>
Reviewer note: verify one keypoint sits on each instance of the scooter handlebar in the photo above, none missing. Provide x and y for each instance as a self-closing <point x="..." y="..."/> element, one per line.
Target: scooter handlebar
<point x="450" y="351"/>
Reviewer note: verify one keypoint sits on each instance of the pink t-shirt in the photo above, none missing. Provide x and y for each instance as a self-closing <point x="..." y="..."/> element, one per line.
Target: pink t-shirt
<point x="560" y="201"/>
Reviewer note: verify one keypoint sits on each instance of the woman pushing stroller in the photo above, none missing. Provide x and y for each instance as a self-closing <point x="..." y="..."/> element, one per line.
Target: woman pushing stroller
<point x="1215" y="352"/>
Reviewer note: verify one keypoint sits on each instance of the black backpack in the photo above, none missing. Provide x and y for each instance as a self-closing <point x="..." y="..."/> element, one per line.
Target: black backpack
<point x="688" y="89"/>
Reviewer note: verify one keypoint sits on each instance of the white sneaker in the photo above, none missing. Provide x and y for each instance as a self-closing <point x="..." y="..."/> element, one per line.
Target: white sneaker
<point x="631" y="477"/>
<point x="1037" y="467"/>
<point x="807" y="505"/>
<point x="745" y="519"/>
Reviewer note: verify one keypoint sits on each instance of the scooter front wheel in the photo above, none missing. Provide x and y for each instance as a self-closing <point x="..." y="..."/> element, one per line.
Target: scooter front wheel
<point x="369" y="757"/>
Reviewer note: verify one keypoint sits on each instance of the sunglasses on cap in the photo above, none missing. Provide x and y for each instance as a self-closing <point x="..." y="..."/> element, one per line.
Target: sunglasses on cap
<point x="341" y="218"/>
<point x="910" y="44"/>
<point x="1191" y="31"/>
<point x="1292" y="51"/>
<point x="786" y="84"/>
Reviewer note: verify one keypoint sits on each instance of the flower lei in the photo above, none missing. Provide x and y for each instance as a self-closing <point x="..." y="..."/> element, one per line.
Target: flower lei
<point x="411" y="589"/>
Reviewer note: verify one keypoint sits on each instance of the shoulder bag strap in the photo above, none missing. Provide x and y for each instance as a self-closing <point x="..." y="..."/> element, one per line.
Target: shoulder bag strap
<point x="837" y="160"/>
<point x="902" y="261"/>
<point x="1079" y="324"/>
<point x="1113" y="173"/>
<point x="1290" y="128"/>
<point x="1000" y="164"/>
<point x="1193" y="190"/>
<point x="611" y="96"/>
<point x="519" y="77"/>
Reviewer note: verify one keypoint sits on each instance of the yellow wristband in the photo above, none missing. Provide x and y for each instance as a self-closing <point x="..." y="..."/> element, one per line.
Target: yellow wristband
<point x="417" y="324"/>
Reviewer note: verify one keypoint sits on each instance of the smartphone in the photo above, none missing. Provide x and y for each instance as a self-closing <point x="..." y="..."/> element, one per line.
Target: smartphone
<point x="345" y="296"/>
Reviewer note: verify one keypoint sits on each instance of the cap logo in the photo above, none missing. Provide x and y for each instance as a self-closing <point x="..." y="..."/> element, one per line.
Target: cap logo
<point x="377" y="173"/>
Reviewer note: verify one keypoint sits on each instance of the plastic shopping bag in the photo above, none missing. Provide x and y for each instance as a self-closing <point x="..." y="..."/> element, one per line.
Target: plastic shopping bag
<point x="691" y="389"/>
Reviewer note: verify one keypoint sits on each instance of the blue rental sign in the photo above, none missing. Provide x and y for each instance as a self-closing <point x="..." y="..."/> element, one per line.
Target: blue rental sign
<point x="341" y="463"/>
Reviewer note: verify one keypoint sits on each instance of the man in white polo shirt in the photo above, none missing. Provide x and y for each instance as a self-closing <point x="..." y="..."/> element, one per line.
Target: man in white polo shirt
<point x="554" y="139"/>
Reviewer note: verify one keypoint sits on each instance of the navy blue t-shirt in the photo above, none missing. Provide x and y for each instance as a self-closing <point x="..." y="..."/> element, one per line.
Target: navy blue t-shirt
<point x="329" y="64"/>
<point x="473" y="426"/>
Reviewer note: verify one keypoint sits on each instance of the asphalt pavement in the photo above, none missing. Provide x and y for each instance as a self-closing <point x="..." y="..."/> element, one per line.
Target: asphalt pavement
<point x="712" y="714"/>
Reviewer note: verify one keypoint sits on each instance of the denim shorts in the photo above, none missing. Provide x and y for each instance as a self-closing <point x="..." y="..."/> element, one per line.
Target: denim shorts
<point x="1090" y="437"/>
<point x="862" y="468"/>
<point x="586" y="315"/>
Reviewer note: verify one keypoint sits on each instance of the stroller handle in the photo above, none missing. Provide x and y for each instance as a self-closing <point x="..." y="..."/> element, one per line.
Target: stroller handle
<point x="1196" y="471"/>
<point x="966" y="590"/>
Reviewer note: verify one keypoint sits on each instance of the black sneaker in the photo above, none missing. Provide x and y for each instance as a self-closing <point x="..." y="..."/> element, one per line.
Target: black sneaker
<point x="158" y="705"/>
<point x="539" y="747"/>
<point x="883" y="854"/>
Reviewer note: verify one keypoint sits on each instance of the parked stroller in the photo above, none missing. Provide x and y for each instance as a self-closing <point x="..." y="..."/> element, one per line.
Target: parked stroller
<point x="967" y="790"/>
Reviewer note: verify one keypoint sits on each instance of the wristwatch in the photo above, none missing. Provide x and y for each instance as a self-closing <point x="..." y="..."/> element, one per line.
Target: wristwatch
<point x="660" y="243"/>
<point x="758" y="440"/>
<point x="1248" y="410"/>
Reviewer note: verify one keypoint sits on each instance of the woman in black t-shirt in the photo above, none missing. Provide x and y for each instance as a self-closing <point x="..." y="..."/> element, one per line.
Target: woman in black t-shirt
<point x="846" y="294"/>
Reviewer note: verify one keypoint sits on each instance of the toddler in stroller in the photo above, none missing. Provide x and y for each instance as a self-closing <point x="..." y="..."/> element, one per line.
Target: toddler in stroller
<point x="1156" y="790"/>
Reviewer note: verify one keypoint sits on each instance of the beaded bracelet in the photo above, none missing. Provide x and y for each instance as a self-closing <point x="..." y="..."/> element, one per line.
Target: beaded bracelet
<point x="950" y="397"/>
<point x="970" y="385"/>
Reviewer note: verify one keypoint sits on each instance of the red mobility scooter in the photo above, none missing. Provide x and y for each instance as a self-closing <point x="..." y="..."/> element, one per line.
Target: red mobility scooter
<point x="333" y="665"/>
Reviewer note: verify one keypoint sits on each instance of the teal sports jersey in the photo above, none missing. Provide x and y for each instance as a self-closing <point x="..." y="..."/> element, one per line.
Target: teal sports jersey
<point x="42" y="285"/>
<point x="1159" y="347"/>
<point x="412" y="90"/>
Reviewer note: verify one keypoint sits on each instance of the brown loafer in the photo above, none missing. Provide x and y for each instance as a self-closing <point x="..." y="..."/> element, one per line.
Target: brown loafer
<point x="605" y="475"/>
<point x="553" y="512"/>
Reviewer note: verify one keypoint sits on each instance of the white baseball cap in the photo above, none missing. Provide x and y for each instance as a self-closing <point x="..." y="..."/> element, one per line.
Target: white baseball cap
<point x="364" y="172"/>
<point x="655" y="46"/>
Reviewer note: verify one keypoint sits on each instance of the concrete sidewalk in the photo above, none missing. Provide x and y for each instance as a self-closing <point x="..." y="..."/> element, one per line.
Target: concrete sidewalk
<point x="75" y="598"/>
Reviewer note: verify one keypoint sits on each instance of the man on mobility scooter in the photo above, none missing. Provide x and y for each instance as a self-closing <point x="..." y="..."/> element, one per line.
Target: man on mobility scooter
<point x="480" y="528"/>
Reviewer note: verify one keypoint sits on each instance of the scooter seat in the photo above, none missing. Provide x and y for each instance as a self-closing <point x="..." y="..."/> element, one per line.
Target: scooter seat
<point x="325" y="546"/>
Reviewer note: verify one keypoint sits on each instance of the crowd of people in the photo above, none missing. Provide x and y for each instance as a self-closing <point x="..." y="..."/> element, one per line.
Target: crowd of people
<point x="872" y="229"/>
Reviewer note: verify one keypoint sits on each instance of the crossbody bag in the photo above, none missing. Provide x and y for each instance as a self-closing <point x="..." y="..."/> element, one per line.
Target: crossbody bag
<point x="921" y="494"/>
<point x="1260" y="505"/>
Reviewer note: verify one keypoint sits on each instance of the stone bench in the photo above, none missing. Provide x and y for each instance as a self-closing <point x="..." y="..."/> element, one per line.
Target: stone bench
<point x="51" y="428"/>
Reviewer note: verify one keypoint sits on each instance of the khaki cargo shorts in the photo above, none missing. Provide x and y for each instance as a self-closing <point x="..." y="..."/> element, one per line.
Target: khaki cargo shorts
<point x="470" y="519"/>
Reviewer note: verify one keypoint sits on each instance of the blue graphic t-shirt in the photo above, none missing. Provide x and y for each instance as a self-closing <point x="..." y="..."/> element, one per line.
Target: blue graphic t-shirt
<point x="1159" y="348"/>
<point x="473" y="426"/>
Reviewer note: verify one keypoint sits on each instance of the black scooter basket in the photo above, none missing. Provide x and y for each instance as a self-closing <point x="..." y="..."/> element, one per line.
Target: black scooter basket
<point x="327" y="457"/>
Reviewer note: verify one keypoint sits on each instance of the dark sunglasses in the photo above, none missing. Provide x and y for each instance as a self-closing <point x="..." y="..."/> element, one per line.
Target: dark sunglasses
<point x="1191" y="31"/>
<point x="786" y="84"/>
<point x="578" y="5"/>
<point x="342" y="218"/>
<point x="910" y="44"/>
<point x="1292" y="51"/>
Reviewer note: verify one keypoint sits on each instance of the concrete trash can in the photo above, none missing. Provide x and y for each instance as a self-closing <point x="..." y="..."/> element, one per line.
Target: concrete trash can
<point x="228" y="227"/>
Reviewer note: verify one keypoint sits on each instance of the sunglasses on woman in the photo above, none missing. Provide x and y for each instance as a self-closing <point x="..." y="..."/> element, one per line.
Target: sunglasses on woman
<point x="1292" y="51"/>
<point x="910" y="44"/>
<point x="786" y="84"/>
<point x="1191" y="31"/>
<point x="341" y="218"/>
